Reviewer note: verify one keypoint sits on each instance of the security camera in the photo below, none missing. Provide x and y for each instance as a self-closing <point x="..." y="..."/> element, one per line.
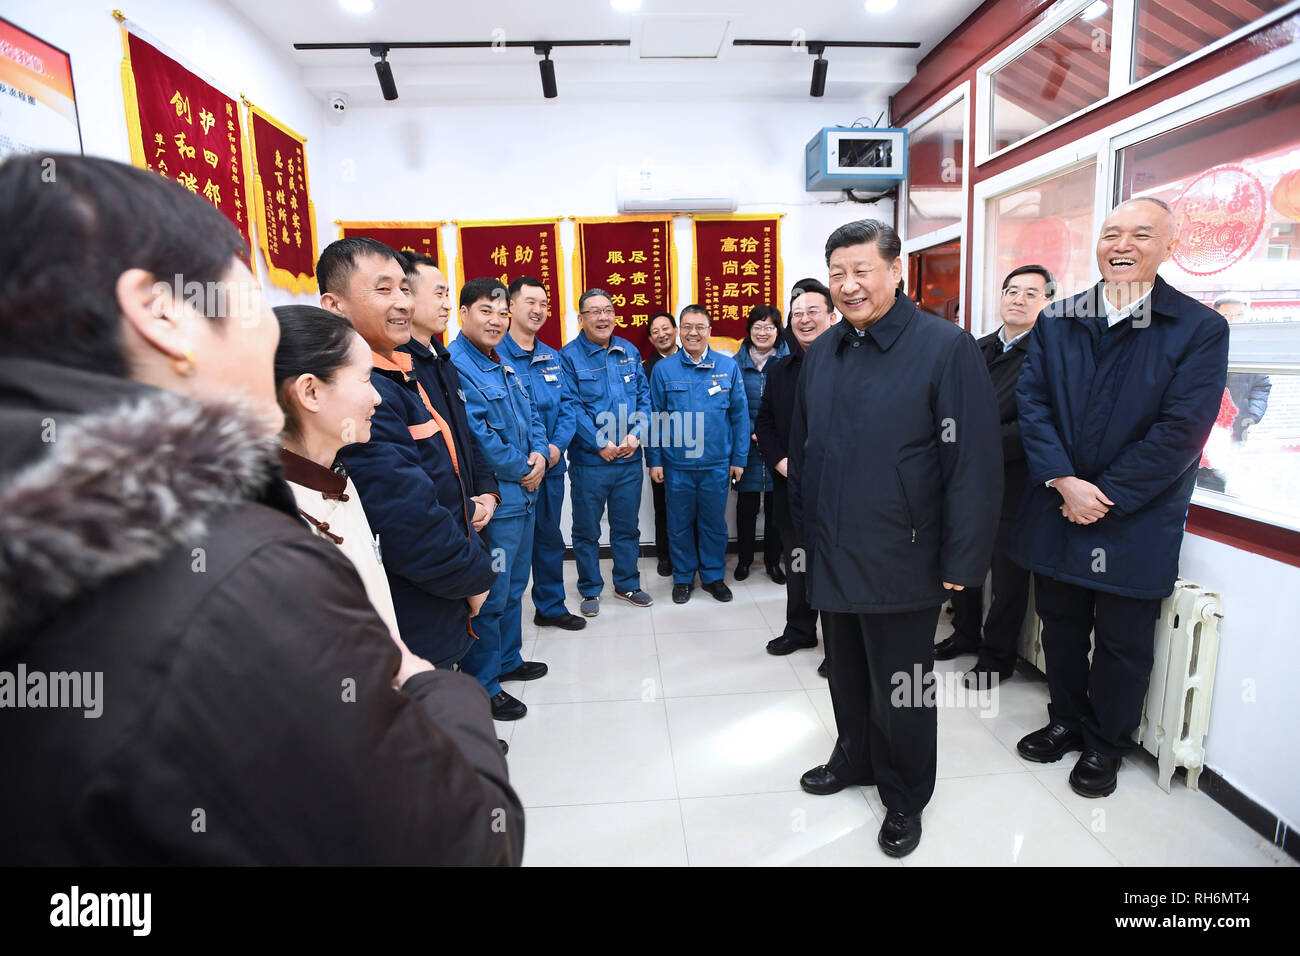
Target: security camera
<point x="338" y="102"/>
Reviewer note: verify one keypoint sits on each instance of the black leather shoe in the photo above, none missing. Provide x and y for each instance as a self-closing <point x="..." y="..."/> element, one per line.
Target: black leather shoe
<point x="952" y="646"/>
<point x="821" y="781"/>
<point x="505" y="707"/>
<point x="665" y="568"/>
<point x="823" y="669"/>
<point x="681" y="593"/>
<point x="718" y="589"/>
<point x="985" y="676"/>
<point x="787" y="644"/>
<point x="900" y="833"/>
<point x="569" y="622"/>
<point x="528" y="670"/>
<point x="776" y="574"/>
<point x="742" y="572"/>
<point x="1094" y="774"/>
<point x="505" y="747"/>
<point x="1049" y="744"/>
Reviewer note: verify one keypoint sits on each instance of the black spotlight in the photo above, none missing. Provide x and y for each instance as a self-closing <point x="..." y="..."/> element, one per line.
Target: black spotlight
<point x="384" y="72"/>
<point x="548" y="72"/>
<point x="819" y="72"/>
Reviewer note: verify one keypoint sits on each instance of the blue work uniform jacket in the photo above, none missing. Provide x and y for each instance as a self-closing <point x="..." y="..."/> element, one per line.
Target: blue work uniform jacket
<point x="757" y="476"/>
<point x="609" y="395"/>
<point x="1130" y="411"/>
<point x="502" y="420"/>
<point x="543" y="377"/>
<point x="417" y="507"/>
<point x="702" y="412"/>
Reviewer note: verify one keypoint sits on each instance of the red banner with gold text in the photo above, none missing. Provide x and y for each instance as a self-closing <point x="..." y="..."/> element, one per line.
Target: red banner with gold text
<point x="508" y="249"/>
<point x="424" y="238"/>
<point x="185" y="129"/>
<point x="631" y="258"/>
<point x="737" y="266"/>
<point x="286" y="219"/>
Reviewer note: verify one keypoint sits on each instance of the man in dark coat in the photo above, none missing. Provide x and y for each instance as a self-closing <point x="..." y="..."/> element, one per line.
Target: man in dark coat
<point x="811" y="314"/>
<point x="894" y="461"/>
<point x="1024" y="293"/>
<point x="408" y="474"/>
<point x="1117" y="396"/>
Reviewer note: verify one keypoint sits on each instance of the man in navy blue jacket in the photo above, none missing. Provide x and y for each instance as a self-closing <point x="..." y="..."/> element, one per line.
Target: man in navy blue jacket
<point x="1117" y="396"/>
<point x="438" y="568"/>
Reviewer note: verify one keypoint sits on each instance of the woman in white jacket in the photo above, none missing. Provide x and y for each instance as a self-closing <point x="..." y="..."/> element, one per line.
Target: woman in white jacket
<point x="322" y="380"/>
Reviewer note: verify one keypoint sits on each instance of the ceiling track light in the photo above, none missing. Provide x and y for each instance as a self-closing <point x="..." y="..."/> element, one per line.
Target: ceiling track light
<point x="547" y="66"/>
<point x="820" y="65"/>
<point x="384" y="72"/>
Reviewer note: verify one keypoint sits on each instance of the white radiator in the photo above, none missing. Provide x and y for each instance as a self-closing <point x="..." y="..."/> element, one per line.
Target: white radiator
<point x="1176" y="712"/>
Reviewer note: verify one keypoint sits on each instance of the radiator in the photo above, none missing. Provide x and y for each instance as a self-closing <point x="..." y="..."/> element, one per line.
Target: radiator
<point x="1176" y="712"/>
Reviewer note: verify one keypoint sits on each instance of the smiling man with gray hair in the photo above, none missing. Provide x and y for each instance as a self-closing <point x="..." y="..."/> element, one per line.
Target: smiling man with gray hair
<point x="1119" y="390"/>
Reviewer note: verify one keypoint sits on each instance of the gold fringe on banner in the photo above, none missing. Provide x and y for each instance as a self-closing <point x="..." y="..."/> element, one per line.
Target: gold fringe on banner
<point x="297" y="283"/>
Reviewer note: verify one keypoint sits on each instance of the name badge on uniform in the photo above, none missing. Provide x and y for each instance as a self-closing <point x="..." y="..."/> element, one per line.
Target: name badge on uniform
<point x="461" y="393"/>
<point x="715" y="389"/>
<point x="629" y="377"/>
<point x="550" y="378"/>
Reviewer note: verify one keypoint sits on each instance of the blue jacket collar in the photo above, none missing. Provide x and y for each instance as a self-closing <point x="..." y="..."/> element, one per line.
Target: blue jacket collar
<point x="481" y="361"/>
<point x="744" y="361"/>
<point x="541" y="351"/>
<point x="706" y="360"/>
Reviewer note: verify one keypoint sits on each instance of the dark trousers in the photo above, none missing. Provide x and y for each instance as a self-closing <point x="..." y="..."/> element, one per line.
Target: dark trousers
<point x="747" y="503"/>
<point x="1104" y="701"/>
<point x="999" y="637"/>
<point x="880" y="666"/>
<point x="661" y="520"/>
<point x="800" y="618"/>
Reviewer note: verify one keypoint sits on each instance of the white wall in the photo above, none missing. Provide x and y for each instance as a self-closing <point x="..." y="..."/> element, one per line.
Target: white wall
<point x="1256" y="710"/>
<point x="206" y="36"/>
<point x="535" y="158"/>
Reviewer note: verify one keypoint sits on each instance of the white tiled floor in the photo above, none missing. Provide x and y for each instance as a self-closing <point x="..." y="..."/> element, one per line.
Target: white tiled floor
<point x="668" y="736"/>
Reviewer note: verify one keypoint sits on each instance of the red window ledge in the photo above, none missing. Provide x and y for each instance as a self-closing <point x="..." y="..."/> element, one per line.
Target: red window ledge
<point x="1247" y="534"/>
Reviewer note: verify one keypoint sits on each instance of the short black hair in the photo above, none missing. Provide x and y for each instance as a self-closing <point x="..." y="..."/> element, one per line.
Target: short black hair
<point x="592" y="293"/>
<point x="757" y="314"/>
<point x="698" y="309"/>
<point x="312" y="342"/>
<point x="662" y="315"/>
<point x="522" y="281"/>
<point x="812" y="285"/>
<point x="339" y="261"/>
<point x="1034" y="269"/>
<point x="411" y="262"/>
<point x="483" y="287"/>
<point x="863" y="231"/>
<point x="68" y="237"/>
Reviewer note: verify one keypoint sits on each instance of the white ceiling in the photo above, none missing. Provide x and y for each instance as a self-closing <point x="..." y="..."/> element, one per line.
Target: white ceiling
<point x="663" y="33"/>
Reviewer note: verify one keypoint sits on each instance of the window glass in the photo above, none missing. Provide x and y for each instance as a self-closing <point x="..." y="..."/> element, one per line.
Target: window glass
<point x="934" y="184"/>
<point x="1169" y="30"/>
<point x="1062" y="74"/>
<point x="1233" y="180"/>
<point x="1048" y="223"/>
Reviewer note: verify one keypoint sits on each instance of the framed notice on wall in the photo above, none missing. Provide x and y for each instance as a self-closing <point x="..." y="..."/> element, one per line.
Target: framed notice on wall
<point x="38" y="105"/>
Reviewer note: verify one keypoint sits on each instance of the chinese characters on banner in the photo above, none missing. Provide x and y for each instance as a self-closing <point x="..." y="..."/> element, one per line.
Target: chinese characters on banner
<point x="510" y="249"/>
<point x="418" y="237"/>
<point x="185" y="129"/>
<point x="286" y="220"/>
<point x="632" y="259"/>
<point x="737" y="266"/>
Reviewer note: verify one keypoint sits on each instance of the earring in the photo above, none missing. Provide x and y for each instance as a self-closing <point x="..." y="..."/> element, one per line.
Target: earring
<point x="183" y="365"/>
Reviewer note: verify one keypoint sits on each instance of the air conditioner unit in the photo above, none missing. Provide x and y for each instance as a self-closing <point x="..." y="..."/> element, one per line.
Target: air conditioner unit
<point x="675" y="189"/>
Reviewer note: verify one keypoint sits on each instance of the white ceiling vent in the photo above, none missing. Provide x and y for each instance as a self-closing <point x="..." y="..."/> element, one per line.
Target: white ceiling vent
<point x="682" y="35"/>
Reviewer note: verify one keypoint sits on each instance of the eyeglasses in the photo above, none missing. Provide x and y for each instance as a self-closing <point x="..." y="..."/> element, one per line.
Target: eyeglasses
<point x="608" y="310"/>
<point x="1031" y="295"/>
<point x="813" y="314"/>
<point x="693" y="329"/>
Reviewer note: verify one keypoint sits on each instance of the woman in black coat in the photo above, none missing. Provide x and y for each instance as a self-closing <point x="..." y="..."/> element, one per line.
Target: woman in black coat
<point x="246" y="704"/>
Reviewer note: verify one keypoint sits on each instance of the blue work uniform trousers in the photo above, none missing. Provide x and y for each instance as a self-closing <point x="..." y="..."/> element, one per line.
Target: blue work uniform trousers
<point x="697" y="521"/>
<point x="595" y="487"/>
<point x="548" y="549"/>
<point x="499" y="624"/>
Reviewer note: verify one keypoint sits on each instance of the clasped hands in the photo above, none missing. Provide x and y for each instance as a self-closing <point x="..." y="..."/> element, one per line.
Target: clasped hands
<point x="1082" y="501"/>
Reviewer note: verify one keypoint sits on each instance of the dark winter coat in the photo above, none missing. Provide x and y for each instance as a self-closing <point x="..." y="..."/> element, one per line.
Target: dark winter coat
<point x="757" y="476"/>
<point x="772" y="426"/>
<point x="1129" y="411"/>
<point x="247" y="715"/>
<point x="895" y="463"/>
<point x="1004" y="371"/>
